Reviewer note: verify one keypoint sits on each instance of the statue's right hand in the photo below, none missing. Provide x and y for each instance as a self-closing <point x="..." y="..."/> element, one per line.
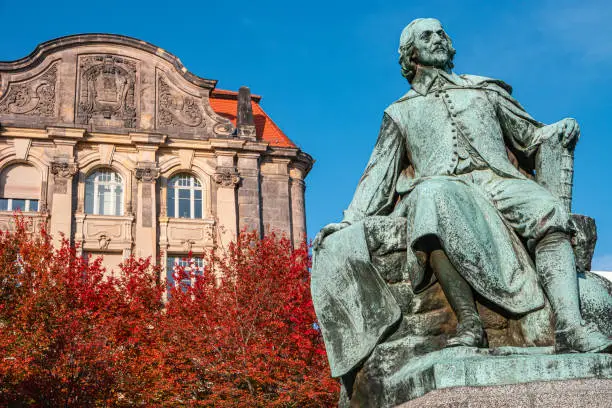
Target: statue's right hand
<point x="325" y="231"/>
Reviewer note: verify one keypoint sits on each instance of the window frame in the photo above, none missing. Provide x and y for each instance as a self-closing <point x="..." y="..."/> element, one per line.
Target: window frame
<point x="177" y="260"/>
<point x="28" y="202"/>
<point x="116" y="181"/>
<point x="173" y="187"/>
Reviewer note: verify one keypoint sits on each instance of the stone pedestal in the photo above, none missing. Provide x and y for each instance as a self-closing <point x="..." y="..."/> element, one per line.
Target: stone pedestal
<point x="542" y="394"/>
<point x="453" y="376"/>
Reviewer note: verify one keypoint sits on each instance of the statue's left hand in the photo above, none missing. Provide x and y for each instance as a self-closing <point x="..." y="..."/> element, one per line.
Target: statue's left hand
<point x="568" y="131"/>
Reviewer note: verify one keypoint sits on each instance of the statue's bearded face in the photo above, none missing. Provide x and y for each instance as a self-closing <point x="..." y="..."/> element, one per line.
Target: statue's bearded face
<point x="433" y="46"/>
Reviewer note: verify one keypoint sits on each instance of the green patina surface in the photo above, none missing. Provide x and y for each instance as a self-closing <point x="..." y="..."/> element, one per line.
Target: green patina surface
<point x="463" y="366"/>
<point x="467" y="193"/>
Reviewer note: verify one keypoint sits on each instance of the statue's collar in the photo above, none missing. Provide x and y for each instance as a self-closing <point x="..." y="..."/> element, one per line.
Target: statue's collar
<point x="426" y="76"/>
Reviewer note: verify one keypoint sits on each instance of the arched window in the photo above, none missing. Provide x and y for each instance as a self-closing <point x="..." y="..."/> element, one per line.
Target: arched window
<point x="184" y="197"/>
<point x="19" y="188"/>
<point x="104" y="193"/>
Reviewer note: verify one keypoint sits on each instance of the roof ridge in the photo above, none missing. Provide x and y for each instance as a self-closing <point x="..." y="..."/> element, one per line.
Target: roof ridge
<point x="228" y="94"/>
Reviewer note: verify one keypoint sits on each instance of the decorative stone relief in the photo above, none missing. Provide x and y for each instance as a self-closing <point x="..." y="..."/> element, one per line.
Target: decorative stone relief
<point x="226" y="177"/>
<point x="103" y="241"/>
<point x="224" y="128"/>
<point x="34" y="224"/>
<point x="177" y="109"/>
<point x="188" y="244"/>
<point x="63" y="169"/>
<point x="147" y="174"/>
<point x="209" y="232"/>
<point x="34" y="96"/>
<point x="107" y="90"/>
<point x="103" y="232"/>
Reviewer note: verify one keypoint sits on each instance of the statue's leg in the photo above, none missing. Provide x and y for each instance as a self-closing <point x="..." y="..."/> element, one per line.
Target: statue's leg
<point x="555" y="266"/>
<point x="540" y="218"/>
<point x="470" y="330"/>
<point x="557" y="271"/>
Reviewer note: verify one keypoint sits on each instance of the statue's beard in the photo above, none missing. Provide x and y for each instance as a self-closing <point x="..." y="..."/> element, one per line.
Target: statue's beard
<point x="438" y="58"/>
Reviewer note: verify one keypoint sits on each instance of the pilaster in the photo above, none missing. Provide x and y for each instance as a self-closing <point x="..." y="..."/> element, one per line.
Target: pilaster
<point x="61" y="211"/>
<point x="298" y="208"/>
<point x="146" y="223"/>
<point x="249" y="194"/>
<point x="276" y="206"/>
<point x="146" y="174"/>
<point x="63" y="167"/>
<point x="227" y="178"/>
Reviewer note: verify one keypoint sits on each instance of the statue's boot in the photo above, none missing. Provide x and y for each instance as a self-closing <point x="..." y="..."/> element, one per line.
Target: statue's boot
<point x="557" y="271"/>
<point x="470" y="331"/>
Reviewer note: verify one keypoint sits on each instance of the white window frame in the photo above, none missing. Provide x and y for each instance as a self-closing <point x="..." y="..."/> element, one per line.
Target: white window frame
<point x="115" y="181"/>
<point x="193" y="186"/>
<point x="27" y="204"/>
<point x="178" y="260"/>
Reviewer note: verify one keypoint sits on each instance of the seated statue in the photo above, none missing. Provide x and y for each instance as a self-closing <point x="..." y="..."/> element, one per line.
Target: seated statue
<point x="451" y="186"/>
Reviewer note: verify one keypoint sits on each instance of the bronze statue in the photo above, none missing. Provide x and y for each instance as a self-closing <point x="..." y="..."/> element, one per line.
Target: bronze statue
<point x="452" y="177"/>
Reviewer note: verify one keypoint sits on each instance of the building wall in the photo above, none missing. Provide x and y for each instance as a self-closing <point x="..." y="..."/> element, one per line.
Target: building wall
<point x="89" y="103"/>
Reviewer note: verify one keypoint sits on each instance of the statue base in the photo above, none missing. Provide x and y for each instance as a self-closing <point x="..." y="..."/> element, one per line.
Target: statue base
<point x="455" y="374"/>
<point x="541" y="394"/>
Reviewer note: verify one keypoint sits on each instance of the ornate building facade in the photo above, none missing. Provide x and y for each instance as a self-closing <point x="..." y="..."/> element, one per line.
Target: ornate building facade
<point x="110" y="141"/>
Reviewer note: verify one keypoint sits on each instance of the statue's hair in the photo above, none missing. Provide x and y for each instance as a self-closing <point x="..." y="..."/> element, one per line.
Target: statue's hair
<point x="408" y="58"/>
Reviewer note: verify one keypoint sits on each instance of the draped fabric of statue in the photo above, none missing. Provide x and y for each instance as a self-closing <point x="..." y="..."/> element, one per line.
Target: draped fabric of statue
<point x="440" y="167"/>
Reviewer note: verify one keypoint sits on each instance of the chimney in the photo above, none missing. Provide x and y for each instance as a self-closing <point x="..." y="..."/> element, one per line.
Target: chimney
<point x="245" y="123"/>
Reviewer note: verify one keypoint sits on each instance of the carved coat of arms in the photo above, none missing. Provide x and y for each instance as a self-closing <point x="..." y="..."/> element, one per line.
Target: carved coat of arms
<point x="107" y="90"/>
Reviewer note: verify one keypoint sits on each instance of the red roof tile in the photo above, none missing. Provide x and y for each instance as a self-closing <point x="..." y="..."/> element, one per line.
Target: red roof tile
<point x="225" y="103"/>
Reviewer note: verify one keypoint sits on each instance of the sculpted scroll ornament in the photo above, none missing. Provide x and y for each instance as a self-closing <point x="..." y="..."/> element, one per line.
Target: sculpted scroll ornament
<point x="63" y="169"/>
<point x="224" y="128"/>
<point x="35" y="96"/>
<point x="175" y="110"/>
<point x="226" y="177"/>
<point x="147" y="174"/>
<point x="107" y="89"/>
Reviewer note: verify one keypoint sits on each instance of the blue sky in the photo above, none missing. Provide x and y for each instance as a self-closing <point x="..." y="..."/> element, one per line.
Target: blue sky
<point x="327" y="70"/>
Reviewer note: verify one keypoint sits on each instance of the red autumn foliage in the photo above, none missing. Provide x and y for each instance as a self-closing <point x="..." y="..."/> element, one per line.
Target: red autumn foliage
<point x="241" y="335"/>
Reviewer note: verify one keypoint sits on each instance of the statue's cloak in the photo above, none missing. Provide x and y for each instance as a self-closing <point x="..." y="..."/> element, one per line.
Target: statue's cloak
<point x="354" y="305"/>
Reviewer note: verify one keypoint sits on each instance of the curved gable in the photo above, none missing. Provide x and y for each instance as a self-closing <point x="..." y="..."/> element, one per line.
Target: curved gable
<point x="105" y="82"/>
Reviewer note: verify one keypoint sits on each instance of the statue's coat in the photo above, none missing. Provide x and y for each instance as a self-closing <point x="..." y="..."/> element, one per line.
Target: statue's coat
<point x="417" y="147"/>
